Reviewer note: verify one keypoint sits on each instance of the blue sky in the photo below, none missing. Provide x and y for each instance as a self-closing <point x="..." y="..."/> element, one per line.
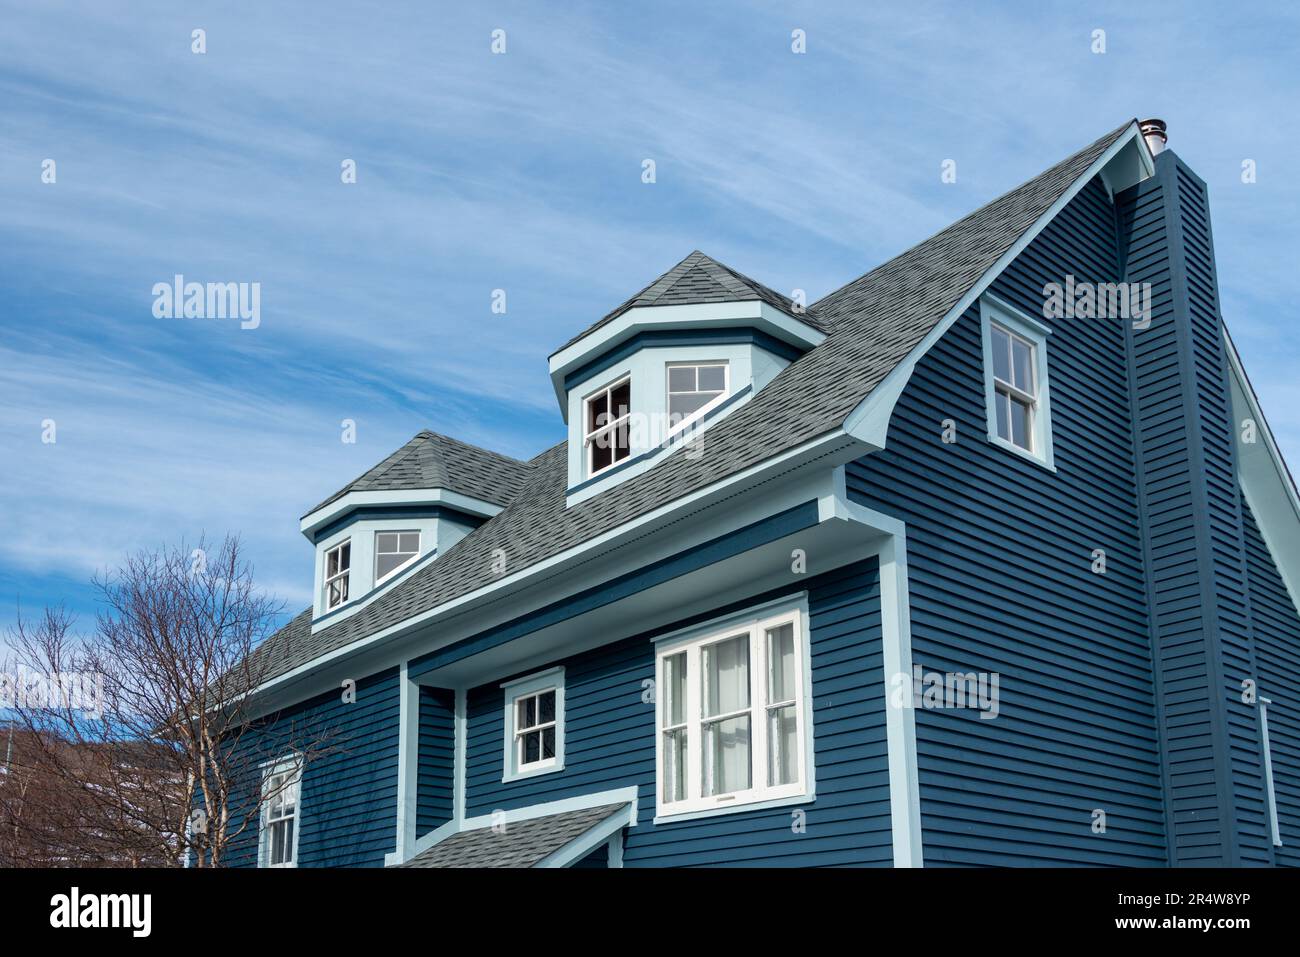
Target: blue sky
<point x="521" y="172"/>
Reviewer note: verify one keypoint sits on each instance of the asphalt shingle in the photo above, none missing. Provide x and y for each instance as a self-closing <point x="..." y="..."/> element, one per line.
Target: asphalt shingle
<point x="520" y="844"/>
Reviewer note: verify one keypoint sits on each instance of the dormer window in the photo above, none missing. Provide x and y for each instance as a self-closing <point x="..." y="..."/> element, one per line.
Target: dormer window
<point x="393" y="552"/>
<point x="692" y="388"/>
<point x="338" y="569"/>
<point x="606" y="415"/>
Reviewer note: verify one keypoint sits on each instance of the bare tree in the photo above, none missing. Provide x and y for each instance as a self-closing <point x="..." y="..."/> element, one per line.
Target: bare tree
<point x="146" y="729"/>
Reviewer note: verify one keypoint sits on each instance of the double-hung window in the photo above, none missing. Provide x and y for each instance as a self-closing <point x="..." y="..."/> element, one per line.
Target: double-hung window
<point x="534" y="724"/>
<point x="338" y="570"/>
<point x="279" y="838"/>
<point x="606" y="421"/>
<point x="693" y="388"/>
<point x="1015" y="381"/>
<point x="394" y="551"/>
<point x="733" y="716"/>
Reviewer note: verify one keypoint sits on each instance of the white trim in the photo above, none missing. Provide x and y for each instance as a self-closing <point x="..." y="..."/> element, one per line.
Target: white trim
<point x="1264" y="479"/>
<point x="1268" y="773"/>
<point x="459" y="771"/>
<point x="552" y="679"/>
<point x="1018" y="325"/>
<point x="590" y="436"/>
<point x="754" y="627"/>
<point x="419" y="547"/>
<point x="270" y="768"/>
<point x="869" y="422"/>
<point x="310" y="522"/>
<point x="408" y="759"/>
<point x="712" y="315"/>
<point x="344" y="574"/>
<point x="616" y="851"/>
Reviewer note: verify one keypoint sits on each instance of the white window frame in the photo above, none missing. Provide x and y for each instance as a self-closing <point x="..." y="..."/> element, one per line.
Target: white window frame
<point x="995" y="312"/>
<point x="1274" y="829"/>
<point x="704" y="409"/>
<point x="291" y="765"/>
<point x="589" y="437"/>
<point x="551" y="679"/>
<point x="419" y="544"/>
<point x="760" y="793"/>
<point x="330" y="579"/>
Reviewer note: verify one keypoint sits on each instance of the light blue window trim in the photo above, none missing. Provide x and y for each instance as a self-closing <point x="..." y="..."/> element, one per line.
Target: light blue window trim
<point x="551" y="679"/>
<point x="994" y="312"/>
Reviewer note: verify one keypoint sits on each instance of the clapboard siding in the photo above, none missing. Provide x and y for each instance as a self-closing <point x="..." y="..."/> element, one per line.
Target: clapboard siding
<point x="435" y="759"/>
<point x="1187" y="481"/>
<point x="610" y="743"/>
<point x="1277" y="655"/>
<point x="348" y="808"/>
<point x="1000" y="552"/>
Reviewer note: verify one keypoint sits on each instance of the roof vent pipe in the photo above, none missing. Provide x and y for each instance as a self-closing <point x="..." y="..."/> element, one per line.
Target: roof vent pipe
<point x="1153" y="131"/>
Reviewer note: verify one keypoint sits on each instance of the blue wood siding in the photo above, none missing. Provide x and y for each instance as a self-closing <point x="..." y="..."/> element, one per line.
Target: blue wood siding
<point x="436" y="751"/>
<point x="610" y="743"/>
<point x="348" y="811"/>
<point x="1000" y="552"/>
<point x="1277" y="654"/>
<point x="1192" y="509"/>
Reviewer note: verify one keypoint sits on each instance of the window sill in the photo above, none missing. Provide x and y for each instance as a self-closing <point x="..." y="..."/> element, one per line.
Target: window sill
<point x="531" y="773"/>
<point x="672" y="817"/>
<point x="1025" y="454"/>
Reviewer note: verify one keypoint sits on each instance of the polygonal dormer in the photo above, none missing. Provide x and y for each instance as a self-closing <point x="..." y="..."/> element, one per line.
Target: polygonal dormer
<point x="694" y="345"/>
<point x="416" y="504"/>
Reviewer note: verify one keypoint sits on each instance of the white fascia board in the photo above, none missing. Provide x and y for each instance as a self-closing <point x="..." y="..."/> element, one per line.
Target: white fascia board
<point x="1264" y="479"/>
<point x="711" y="315"/>
<point x="628" y="532"/>
<point x="405" y="496"/>
<point x="869" y="422"/>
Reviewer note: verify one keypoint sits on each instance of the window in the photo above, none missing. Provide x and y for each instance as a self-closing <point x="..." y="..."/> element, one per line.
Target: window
<point x="1268" y="773"/>
<point x="279" y="839"/>
<point x="732" y="717"/>
<point x="534" y="724"/>
<point x="693" y="388"/>
<point x="394" y="551"/>
<point x="606" y="420"/>
<point x="1015" y="374"/>
<point x="338" y="568"/>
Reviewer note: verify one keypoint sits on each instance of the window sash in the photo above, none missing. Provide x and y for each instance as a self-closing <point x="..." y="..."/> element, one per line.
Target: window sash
<point x="538" y="727"/>
<point x="341" y="575"/>
<point x="691" y="784"/>
<point x="280" y="791"/>
<point x="610" y="427"/>
<point x="717" y="395"/>
<point x="395" y="550"/>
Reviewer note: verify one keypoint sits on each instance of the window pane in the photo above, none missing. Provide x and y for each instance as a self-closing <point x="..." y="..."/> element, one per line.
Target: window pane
<point x="726" y="756"/>
<point x="621" y="399"/>
<point x="780" y="664"/>
<point x="726" y="676"/>
<point x="287" y="827"/>
<point x="1001" y="407"/>
<point x="548" y="743"/>
<point x="532" y="747"/>
<point x="712" y="378"/>
<point x="680" y="406"/>
<point x="621" y="441"/>
<point x="385" y="541"/>
<point x="675" y="765"/>
<point x="783" y="745"/>
<point x="388" y="563"/>
<point x="1001" y="355"/>
<point x="1022" y="357"/>
<point x="410" y="543"/>
<point x="331" y="563"/>
<point x="530" y="712"/>
<point x="601" y="454"/>
<point x="674" y="689"/>
<point x="597" y="411"/>
<point x="1020" y="423"/>
<point x="546" y="707"/>
<point x="681" y="378"/>
<point x="346" y="561"/>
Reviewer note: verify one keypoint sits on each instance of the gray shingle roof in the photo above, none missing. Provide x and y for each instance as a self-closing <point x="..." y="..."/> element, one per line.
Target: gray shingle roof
<point x="699" y="279"/>
<point x="874" y="323"/>
<point x="431" y="460"/>
<point x="521" y="844"/>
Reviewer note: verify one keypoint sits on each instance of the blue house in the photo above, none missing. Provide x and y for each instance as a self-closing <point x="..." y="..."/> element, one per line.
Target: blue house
<point x="987" y="557"/>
